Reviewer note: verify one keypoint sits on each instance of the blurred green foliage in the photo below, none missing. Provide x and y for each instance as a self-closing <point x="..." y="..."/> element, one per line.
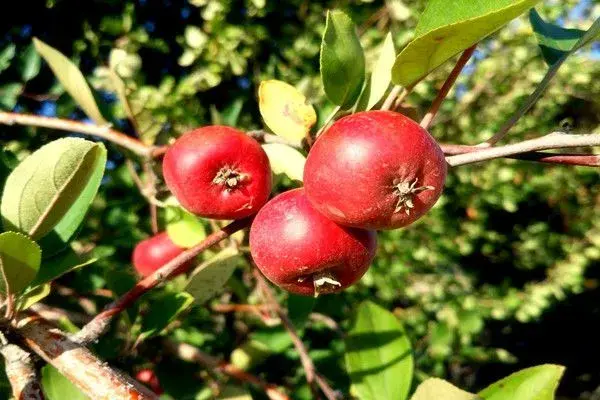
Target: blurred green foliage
<point x="503" y="270"/>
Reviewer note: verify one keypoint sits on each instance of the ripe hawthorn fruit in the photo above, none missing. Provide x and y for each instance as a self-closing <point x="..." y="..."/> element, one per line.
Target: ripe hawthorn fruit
<point x="303" y="252"/>
<point x="375" y="170"/>
<point x="149" y="378"/>
<point x="218" y="172"/>
<point x="152" y="253"/>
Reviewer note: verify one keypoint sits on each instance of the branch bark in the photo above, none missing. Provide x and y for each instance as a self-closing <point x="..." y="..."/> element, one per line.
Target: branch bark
<point x="92" y="330"/>
<point x="92" y="376"/>
<point x="21" y="373"/>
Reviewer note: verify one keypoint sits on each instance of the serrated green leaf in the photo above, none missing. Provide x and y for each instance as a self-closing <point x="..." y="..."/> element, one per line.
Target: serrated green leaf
<point x="20" y="259"/>
<point x="59" y="265"/>
<point x="43" y="188"/>
<point x="448" y="27"/>
<point x="209" y="278"/>
<point x="30" y="63"/>
<point x="535" y="383"/>
<point x="72" y="79"/>
<point x="57" y="387"/>
<point x="285" y="160"/>
<point x="378" y="355"/>
<point x="32" y="296"/>
<point x="381" y="77"/>
<point x="342" y="60"/>
<point x="162" y="311"/>
<point x="184" y="229"/>
<point x="436" y="389"/>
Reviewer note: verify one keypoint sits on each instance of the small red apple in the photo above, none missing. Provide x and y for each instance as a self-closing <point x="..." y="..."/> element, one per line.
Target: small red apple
<point x="218" y="172"/>
<point x="375" y="170"/>
<point x="149" y="378"/>
<point x="303" y="252"/>
<point x="152" y="253"/>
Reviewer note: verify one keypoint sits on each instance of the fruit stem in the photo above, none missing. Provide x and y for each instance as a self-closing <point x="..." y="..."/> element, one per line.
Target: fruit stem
<point x="325" y="282"/>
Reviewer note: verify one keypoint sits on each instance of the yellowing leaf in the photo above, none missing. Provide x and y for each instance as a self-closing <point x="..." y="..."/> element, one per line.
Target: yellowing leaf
<point x="435" y="388"/>
<point x="285" y="110"/>
<point x="285" y="160"/>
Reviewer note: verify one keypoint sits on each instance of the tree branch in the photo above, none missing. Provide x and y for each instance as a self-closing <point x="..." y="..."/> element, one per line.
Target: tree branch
<point x="21" y="373"/>
<point x="92" y="330"/>
<point x="92" y="376"/>
<point x="554" y="140"/>
<point x="190" y="353"/>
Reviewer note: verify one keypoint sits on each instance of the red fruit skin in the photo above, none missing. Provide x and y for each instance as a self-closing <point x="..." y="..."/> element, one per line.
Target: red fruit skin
<point x="152" y="253"/>
<point x="289" y="240"/>
<point x="149" y="378"/>
<point x="352" y="170"/>
<point x="192" y="163"/>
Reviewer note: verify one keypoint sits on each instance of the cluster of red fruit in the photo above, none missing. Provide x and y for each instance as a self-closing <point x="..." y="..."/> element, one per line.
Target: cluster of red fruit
<point x="369" y="171"/>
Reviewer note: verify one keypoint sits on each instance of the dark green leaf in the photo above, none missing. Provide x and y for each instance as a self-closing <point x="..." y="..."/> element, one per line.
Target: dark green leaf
<point x="9" y="94"/>
<point x="57" y="387"/>
<point x="535" y="383"/>
<point x="59" y="265"/>
<point x="20" y="259"/>
<point x="299" y="308"/>
<point x="163" y="311"/>
<point x="555" y="41"/>
<point x="30" y="63"/>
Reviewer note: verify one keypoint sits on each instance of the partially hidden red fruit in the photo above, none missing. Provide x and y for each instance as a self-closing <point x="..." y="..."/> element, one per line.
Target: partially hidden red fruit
<point x="375" y="170"/>
<point x="149" y="378"/>
<point x="152" y="253"/>
<point x="218" y="172"/>
<point x="303" y="252"/>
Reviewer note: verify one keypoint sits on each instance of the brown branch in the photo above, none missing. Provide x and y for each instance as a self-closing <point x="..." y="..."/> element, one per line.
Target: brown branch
<point x="91" y="331"/>
<point x="443" y="92"/>
<point x="50" y="313"/>
<point x="310" y="371"/>
<point x="190" y="353"/>
<point x="104" y="132"/>
<point x="76" y="363"/>
<point x="555" y="140"/>
<point x="21" y="373"/>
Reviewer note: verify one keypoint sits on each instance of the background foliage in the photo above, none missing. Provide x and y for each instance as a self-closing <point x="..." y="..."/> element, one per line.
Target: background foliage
<point x="501" y="275"/>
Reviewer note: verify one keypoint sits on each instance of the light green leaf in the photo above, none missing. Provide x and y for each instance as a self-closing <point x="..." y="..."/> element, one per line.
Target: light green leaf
<point x="121" y="92"/>
<point x="43" y="188"/>
<point x="72" y="79"/>
<point x="436" y="389"/>
<point x="342" y="60"/>
<point x="536" y="383"/>
<point x="30" y="63"/>
<point x="381" y="77"/>
<point x="20" y="259"/>
<point x="554" y="41"/>
<point x="231" y="392"/>
<point x="448" y="27"/>
<point x="162" y="311"/>
<point x="6" y="56"/>
<point x="285" y="160"/>
<point x="57" y="387"/>
<point x="9" y="94"/>
<point x="32" y="296"/>
<point x="184" y="229"/>
<point x="194" y="37"/>
<point x="59" y="265"/>
<point x="378" y="355"/>
<point x="208" y="278"/>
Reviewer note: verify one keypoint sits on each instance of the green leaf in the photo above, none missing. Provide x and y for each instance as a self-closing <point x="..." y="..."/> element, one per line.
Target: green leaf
<point x="45" y="186"/>
<point x="299" y="309"/>
<point x="20" y="259"/>
<point x="381" y="77"/>
<point x="378" y="355"/>
<point x="436" y="389"/>
<point x="59" y="265"/>
<point x="276" y="340"/>
<point x="448" y="27"/>
<point x="30" y="63"/>
<point x="72" y="79"/>
<point x="285" y="160"/>
<point x="57" y="387"/>
<point x="342" y="60"/>
<point x="554" y="41"/>
<point x="9" y="94"/>
<point x="231" y="113"/>
<point x="162" y="311"/>
<point x="183" y="228"/>
<point x="230" y="392"/>
<point x="536" y="383"/>
<point x="32" y="296"/>
<point x="208" y="278"/>
<point x="590" y="35"/>
<point x="121" y="92"/>
<point x="6" y="56"/>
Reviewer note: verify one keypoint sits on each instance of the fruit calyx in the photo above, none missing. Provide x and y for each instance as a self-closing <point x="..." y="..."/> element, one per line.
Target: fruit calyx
<point x="325" y="282"/>
<point x="229" y="177"/>
<point x="405" y="190"/>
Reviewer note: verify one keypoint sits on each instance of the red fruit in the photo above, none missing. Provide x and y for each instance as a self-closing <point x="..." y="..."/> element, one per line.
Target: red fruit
<point x="218" y="172"/>
<point x="149" y="378"/>
<point x="375" y="170"/>
<point x="303" y="252"/>
<point x="152" y="253"/>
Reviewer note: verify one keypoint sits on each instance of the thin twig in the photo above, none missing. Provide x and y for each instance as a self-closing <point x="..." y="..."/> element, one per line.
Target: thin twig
<point x="104" y="132"/>
<point x="309" y="368"/>
<point x="554" y="140"/>
<point x="190" y="353"/>
<point x="21" y="373"/>
<point x="180" y="264"/>
<point x="389" y="100"/>
<point x="330" y="118"/>
<point x="443" y="92"/>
